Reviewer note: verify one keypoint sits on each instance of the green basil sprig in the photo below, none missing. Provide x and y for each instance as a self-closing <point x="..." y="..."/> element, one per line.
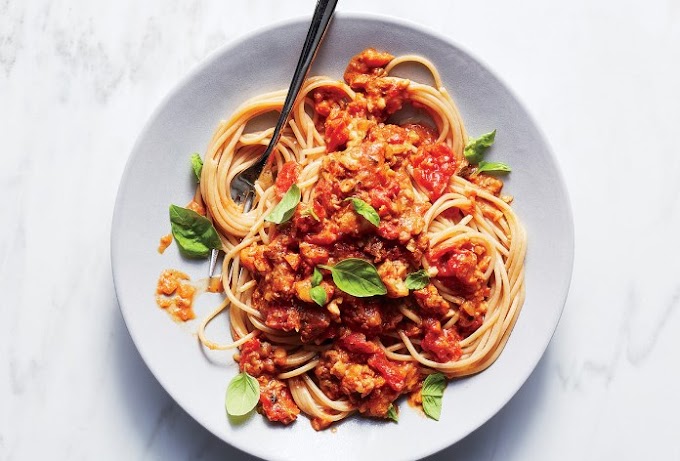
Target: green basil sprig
<point x="317" y="293"/>
<point x="316" y="277"/>
<point x="493" y="167"/>
<point x="475" y="147"/>
<point x="392" y="413"/>
<point x="285" y="209"/>
<point x="417" y="280"/>
<point x="365" y="210"/>
<point x="357" y="277"/>
<point x="243" y="393"/>
<point x="309" y="211"/>
<point x="432" y="392"/>
<point x="197" y="165"/>
<point x="194" y="234"/>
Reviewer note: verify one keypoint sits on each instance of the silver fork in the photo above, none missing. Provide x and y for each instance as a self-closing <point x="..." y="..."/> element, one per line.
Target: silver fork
<point x="243" y="185"/>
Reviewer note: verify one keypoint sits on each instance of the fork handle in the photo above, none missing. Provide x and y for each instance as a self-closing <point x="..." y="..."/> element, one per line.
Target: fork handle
<point x="317" y="29"/>
<point x="322" y="17"/>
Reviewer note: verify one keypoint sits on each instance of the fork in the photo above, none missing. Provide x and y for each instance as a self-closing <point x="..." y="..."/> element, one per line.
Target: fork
<point x="243" y="185"/>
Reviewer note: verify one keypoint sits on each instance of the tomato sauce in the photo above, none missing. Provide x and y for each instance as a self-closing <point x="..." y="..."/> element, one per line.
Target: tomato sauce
<point x="164" y="243"/>
<point x="196" y="206"/>
<point x="215" y="285"/>
<point x="375" y="161"/>
<point x="175" y="294"/>
<point x="433" y="166"/>
<point x="290" y="171"/>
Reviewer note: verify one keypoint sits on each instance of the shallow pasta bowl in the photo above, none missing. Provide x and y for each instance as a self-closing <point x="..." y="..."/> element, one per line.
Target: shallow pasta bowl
<point x="158" y="173"/>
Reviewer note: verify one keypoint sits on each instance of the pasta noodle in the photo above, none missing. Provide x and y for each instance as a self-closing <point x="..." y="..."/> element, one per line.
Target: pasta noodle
<point x="468" y="221"/>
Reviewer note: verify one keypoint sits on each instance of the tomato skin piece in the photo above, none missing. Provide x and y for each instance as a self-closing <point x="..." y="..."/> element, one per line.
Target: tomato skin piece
<point x="394" y="377"/>
<point x="444" y="343"/>
<point x="384" y="194"/>
<point x="393" y="374"/>
<point x="337" y="130"/>
<point x="287" y="176"/>
<point x="356" y="342"/>
<point x="452" y="261"/>
<point x="433" y="166"/>
<point x="277" y="401"/>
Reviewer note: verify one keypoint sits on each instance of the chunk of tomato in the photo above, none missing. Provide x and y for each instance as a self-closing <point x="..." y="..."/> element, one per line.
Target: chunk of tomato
<point x="433" y="166"/>
<point x="453" y="261"/>
<point x="443" y="343"/>
<point x="287" y="176"/>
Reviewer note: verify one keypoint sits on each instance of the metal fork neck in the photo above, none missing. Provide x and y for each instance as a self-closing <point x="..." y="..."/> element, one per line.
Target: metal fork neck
<point x="317" y="29"/>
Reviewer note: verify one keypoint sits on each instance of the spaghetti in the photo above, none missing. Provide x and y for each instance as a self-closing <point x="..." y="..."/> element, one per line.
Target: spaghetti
<point x="437" y="214"/>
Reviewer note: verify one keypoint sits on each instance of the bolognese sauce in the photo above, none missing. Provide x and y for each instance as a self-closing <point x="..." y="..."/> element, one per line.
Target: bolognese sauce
<point x="175" y="294"/>
<point x="376" y="161"/>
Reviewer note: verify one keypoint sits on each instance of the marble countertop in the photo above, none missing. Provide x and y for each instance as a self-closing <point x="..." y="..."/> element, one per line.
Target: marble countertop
<point x="78" y="79"/>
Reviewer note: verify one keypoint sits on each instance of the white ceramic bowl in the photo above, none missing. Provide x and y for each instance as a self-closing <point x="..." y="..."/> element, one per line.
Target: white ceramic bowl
<point x="158" y="173"/>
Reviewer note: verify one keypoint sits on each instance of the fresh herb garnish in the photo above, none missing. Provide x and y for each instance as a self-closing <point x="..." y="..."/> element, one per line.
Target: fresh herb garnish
<point x="365" y="210"/>
<point x="194" y="234"/>
<point x="316" y="277"/>
<point x="417" y="280"/>
<point x="285" y="209"/>
<point x="475" y="147"/>
<point x="317" y="293"/>
<point x="392" y="413"/>
<point x="432" y="393"/>
<point x="197" y="165"/>
<point x="309" y="211"/>
<point x="243" y="393"/>
<point x="357" y="277"/>
<point x="493" y="167"/>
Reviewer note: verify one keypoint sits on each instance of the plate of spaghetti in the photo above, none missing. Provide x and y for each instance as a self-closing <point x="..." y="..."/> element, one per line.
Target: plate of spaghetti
<point x="403" y="266"/>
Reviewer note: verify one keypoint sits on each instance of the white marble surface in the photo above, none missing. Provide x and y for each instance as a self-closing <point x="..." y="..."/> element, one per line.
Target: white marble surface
<point x="77" y="81"/>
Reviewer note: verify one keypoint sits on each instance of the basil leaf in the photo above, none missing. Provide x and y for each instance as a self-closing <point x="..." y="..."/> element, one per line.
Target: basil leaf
<point x="357" y="277"/>
<point x="365" y="210"/>
<point x="243" y="393"/>
<point x="194" y="234"/>
<point x="316" y="277"/>
<point x="475" y="147"/>
<point x="309" y="211"/>
<point x="417" y="280"/>
<point x="285" y="209"/>
<point x="318" y="294"/>
<point x="197" y="165"/>
<point x="432" y="407"/>
<point x="493" y="167"/>
<point x="432" y="393"/>
<point x="392" y="413"/>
